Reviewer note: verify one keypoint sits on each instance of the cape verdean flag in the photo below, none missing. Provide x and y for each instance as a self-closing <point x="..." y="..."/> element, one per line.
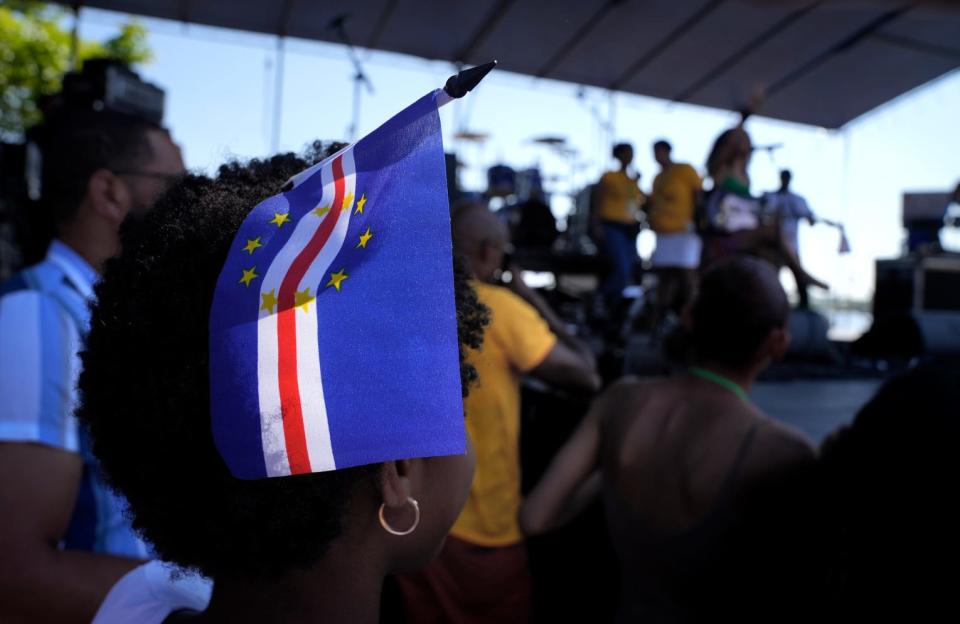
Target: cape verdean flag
<point x="333" y="337"/>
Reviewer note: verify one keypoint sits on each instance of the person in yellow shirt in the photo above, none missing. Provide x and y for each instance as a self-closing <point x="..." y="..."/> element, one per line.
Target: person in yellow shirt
<point x="481" y="575"/>
<point x="614" y="224"/>
<point x="671" y="215"/>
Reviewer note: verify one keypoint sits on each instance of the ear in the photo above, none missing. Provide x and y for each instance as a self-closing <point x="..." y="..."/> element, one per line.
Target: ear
<point x="490" y="258"/>
<point x="778" y="342"/>
<point x="108" y="196"/>
<point x="486" y="252"/>
<point x="395" y="482"/>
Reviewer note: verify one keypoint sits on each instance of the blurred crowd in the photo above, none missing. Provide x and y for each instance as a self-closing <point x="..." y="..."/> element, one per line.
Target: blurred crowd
<point x="117" y="506"/>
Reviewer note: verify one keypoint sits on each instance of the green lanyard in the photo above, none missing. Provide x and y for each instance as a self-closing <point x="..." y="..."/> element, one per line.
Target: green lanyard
<point x="720" y="380"/>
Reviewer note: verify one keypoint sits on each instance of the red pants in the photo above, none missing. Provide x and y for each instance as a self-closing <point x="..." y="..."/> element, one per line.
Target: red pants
<point x="472" y="584"/>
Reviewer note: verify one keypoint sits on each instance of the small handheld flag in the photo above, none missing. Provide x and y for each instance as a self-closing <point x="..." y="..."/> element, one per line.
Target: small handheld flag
<point x="333" y="336"/>
<point x="844" y="242"/>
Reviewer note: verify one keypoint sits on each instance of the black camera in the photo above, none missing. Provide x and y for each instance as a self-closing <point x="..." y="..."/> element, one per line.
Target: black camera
<point x="105" y="85"/>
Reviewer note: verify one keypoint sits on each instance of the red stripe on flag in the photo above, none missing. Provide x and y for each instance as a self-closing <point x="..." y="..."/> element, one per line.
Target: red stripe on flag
<point x="290" y="405"/>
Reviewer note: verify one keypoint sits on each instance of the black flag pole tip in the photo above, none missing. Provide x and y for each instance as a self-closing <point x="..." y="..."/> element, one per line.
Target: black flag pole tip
<point x="460" y="84"/>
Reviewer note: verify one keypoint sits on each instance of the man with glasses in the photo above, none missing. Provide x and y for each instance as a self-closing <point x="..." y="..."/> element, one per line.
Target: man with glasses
<point x="64" y="540"/>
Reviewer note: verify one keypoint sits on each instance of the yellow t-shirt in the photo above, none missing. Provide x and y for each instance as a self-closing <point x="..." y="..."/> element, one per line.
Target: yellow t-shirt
<point x="516" y="341"/>
<point x="620" y="198"/>
<point x="674" y="193"/>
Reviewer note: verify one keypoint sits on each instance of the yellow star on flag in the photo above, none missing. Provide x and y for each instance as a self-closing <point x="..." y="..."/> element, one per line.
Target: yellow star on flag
<point x="279" y="218"/>
<point x="269" y="301"/>
<point x="336" y="279"/>
<point x="364" y="238"/>
<point x="248" y="276"/>
<point x="252" y="244"/>
<point x="303" y="298"/>
<point x="322" y="210"/>
<point x="348" y="201"/>
<point x="363" y="200"/>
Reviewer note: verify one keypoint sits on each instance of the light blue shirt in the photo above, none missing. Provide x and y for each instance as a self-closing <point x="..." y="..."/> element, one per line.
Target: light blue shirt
<point x="44" y="317"/>
<point x="150" y="593"/>
<point x="791" y="208"/>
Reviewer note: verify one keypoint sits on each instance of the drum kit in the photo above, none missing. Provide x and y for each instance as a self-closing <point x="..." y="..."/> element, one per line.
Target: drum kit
<point x="506" y="181"/>
<point x="511" y="187"/>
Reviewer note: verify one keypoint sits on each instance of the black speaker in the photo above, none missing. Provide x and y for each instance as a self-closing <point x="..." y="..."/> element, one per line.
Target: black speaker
<point x="911" y="335"/>
<point x="894" y="288"/>
<point x="940" y="284"/>
<point x="939" y="332"/>
<point x="453" y="178"/>
<point x="916" y="284"/>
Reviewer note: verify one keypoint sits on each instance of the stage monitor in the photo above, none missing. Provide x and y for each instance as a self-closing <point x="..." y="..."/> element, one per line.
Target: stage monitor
<point x="915" y="284"/>
<point x="923" y="207"/>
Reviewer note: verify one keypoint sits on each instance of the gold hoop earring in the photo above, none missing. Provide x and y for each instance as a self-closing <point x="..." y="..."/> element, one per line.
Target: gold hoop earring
<point x="416" y="519"/>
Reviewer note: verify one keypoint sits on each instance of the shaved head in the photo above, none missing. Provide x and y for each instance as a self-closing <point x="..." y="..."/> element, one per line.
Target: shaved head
<point x="740" y="302"/>
<point x="472" y="224"/>
<point x="480" y="239"/>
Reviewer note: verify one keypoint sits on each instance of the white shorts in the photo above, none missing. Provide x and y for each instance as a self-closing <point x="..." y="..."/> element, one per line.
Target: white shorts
<point x="680" y="251"/>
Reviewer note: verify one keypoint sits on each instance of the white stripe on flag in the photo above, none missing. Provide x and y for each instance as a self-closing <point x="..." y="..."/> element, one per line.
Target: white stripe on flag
<point x="305" y="175"/>
<point x="312" y="402"/>
<point x="304" y="230"/>
<point x="271" y="417"/>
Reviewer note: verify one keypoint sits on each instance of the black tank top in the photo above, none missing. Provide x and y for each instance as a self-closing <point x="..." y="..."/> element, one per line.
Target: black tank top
<point x="666" y="577"/>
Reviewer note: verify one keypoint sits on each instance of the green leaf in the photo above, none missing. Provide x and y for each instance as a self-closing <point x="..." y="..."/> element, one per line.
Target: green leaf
<point x="35" y="51"/>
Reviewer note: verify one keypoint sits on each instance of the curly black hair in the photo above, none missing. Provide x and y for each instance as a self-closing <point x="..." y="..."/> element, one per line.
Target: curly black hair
<point x="145" y="389"/>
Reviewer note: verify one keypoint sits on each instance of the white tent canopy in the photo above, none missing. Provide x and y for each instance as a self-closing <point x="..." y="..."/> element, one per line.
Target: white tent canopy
<point x="821" y="62"/>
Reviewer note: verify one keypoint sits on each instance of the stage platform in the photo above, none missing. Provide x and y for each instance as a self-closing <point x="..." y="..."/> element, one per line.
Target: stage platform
<point x="817" y="406"/>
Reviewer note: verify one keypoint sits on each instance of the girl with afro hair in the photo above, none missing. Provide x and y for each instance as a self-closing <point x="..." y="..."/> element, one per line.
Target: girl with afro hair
<point x="307" y="548"/>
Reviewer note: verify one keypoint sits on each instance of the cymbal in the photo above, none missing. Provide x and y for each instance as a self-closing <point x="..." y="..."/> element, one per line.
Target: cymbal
<point x="466" y="135"/>
<point x="549" y="140"/>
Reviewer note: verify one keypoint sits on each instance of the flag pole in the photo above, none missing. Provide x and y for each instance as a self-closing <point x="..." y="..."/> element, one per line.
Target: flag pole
<point x="465" y="81"/>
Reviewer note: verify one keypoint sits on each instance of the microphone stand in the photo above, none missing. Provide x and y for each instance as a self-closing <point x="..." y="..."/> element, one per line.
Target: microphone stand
<point x="360" y="78"/>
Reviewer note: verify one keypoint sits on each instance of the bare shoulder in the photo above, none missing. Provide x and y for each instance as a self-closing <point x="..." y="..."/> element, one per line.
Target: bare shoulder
<point x="626" y="402"/>
<point x="626" y="390"/>
<point x="778" y="446"/>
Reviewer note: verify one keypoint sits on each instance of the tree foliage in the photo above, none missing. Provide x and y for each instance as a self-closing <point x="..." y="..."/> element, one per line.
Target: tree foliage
<point x="35" y="53"/>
